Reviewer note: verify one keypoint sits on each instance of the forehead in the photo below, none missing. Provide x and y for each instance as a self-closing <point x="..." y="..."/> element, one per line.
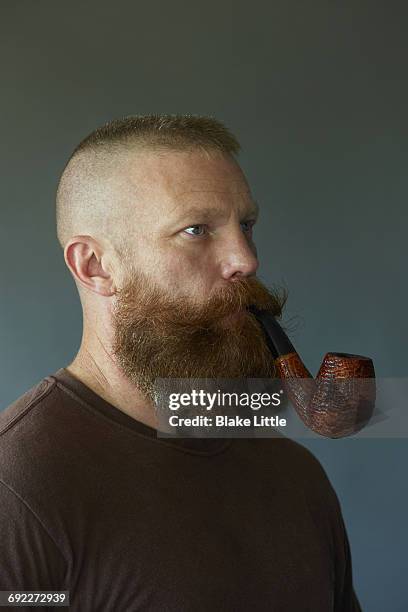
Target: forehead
<point x="186" y="175"/>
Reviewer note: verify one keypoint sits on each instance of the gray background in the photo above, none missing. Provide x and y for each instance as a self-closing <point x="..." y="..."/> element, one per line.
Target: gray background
<point x="317" y="94"/>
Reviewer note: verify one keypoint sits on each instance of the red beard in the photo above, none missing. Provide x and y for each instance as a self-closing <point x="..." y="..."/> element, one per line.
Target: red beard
<point x="158" y="336"/>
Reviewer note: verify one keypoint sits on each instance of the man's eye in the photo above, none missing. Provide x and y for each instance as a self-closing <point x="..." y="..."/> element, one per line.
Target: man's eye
<point x="248" y="225"/>
<point x="200" y="230"/>
<point x="195" y="227"/>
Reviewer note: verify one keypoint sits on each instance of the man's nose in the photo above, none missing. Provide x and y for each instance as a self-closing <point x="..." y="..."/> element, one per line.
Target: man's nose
<point x="238" y="257"/>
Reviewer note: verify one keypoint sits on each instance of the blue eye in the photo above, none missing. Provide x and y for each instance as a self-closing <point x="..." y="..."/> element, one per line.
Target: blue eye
<point x="247" y="228"/>
<point x="194" y="226"/>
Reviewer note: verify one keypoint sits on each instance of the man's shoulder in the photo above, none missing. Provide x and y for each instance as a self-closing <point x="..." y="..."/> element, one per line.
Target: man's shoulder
<point x="27" y="426"/>
<point x="22" y="408"/>
<point x="39" y="432"/>
<point x="282" y="452"/>
<point x="47" y="443"/>
<point x="26" y="436"/>
<point x="281" y="461"/>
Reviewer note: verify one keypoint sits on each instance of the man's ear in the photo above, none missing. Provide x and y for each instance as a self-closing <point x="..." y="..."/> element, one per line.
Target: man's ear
<point x="88" y="265"/>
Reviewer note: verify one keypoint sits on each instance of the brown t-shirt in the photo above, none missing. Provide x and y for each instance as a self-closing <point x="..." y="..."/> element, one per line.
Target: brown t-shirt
<point x="93" y="503"/>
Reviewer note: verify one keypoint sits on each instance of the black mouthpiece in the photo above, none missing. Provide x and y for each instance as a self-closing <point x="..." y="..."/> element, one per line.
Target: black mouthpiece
<point x="278" y="342"/>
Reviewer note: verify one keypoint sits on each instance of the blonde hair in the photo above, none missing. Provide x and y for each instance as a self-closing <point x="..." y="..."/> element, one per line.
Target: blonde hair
<point x="179" y="132"/>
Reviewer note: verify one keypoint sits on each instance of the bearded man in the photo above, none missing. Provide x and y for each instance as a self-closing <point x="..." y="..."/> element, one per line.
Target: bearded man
<point x="155" y="218"/>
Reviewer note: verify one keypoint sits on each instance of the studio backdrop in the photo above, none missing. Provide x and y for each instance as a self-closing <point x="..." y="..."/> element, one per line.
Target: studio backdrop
<point x="317" y="94"/>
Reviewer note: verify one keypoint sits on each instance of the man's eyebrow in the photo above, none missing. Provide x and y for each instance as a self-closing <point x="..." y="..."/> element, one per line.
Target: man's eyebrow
<point x="255" y="209"/>
<point x="207" y="212"/>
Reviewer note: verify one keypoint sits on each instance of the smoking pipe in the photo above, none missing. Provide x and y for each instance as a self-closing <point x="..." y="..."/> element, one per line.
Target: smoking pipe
<point x="340" y="401"/>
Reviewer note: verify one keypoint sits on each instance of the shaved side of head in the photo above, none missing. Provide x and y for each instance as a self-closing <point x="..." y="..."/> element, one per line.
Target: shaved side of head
<point x="90" y="198"/>
<point x="91" y="195"/>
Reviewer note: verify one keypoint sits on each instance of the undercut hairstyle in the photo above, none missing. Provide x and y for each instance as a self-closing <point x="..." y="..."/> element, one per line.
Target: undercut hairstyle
<point x="83" y="196"/>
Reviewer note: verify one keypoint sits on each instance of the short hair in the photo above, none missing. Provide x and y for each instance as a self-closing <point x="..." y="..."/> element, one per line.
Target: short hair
<point x="154" y="132"/>
<point x="178" y="132"/>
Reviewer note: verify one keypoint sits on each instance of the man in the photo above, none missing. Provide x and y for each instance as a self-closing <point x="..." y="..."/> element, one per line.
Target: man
<point x="155" y="218"/>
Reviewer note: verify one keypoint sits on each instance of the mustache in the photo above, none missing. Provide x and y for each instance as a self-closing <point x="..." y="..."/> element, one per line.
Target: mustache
<point x="237" y="296"/>
<point x="186" y="313"/>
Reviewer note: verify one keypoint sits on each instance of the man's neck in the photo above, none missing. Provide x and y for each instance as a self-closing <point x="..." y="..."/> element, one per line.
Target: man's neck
<point x="103" y="376"/>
